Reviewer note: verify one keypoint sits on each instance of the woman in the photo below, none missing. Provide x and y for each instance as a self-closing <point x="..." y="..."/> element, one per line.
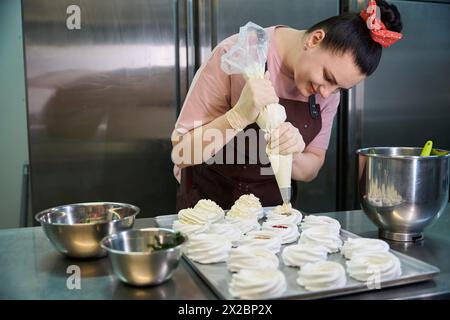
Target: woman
<point x="302" y="66"/>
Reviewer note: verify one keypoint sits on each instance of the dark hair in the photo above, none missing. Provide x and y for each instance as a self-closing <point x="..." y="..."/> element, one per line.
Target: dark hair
<point x="349" y="32"/>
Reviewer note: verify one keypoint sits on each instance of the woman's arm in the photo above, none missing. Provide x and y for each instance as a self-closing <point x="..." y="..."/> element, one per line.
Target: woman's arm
<point x="306" y="165"/>
<point x="200" y="144"/>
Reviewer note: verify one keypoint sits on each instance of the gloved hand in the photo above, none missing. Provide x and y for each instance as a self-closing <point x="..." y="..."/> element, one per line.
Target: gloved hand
<point x="286" y="139"/>
<point x="256" y="94"/>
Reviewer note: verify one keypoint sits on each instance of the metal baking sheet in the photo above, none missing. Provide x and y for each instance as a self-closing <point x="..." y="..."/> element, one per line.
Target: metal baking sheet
<point x="218" y="277"/>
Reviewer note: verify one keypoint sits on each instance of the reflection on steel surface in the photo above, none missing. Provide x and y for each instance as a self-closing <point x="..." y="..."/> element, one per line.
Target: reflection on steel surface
<point x="101" y="103"/>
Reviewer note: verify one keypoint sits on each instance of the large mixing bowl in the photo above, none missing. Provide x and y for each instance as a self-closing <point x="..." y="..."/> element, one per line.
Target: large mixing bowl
<point x="144" y="257"/>
<point x="76" y="230"/>
<point x="402" y="192"/>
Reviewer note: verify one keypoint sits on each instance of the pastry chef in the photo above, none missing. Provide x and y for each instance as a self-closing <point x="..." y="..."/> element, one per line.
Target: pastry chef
<point x="306" y="69"/>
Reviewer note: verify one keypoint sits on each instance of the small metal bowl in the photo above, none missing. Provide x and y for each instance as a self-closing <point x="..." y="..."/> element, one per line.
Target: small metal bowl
<point x="136" y="261"/>
<point x="76" y="230"/>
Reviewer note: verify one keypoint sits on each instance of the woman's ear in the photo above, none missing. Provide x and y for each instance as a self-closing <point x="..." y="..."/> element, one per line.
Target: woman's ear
<point x="315" y="38"/>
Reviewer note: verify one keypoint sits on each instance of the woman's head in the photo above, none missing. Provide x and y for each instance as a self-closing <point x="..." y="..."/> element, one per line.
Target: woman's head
<point x="342" y="46"/>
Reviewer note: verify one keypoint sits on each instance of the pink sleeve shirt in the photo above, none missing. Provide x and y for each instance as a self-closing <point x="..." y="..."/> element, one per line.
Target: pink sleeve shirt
<point x="213" y="92"/>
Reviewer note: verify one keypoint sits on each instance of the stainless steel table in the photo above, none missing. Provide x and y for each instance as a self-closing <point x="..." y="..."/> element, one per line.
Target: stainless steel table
<point x="31" y="269"/>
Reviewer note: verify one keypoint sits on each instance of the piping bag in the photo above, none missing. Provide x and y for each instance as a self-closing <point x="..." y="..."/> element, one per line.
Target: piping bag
<point x="248" y="57"/>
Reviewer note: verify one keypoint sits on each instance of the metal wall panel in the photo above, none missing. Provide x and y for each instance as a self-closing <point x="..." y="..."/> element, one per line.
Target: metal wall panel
<point x="219" y="19"/>
<point x="101" y="102"/>
<point x="406" y="101"/>
<point x="13" y="120"/>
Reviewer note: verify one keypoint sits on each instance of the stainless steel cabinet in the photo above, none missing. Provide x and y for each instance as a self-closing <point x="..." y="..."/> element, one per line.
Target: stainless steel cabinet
<point x="101" y="102"/>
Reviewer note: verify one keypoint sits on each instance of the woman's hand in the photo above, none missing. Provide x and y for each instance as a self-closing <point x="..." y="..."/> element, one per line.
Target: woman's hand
<point x="287" y="139"/>
<point x="256" y="94"/>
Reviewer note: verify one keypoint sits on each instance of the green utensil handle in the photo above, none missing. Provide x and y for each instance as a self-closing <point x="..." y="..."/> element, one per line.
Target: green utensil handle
<point x="426" y="151"/>
<point x="435" y="152"/>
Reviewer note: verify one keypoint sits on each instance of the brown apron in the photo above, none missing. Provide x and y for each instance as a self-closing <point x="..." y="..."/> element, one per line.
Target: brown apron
<point x="225" y="183"/>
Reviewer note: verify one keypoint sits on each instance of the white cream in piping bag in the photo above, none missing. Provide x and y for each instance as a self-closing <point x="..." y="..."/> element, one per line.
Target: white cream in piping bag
<point x="269" y="119"/>
<point x="248" y="57"/>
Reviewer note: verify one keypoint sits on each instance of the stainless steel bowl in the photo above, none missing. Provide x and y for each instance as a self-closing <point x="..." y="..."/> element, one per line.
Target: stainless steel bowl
<point x="136" y="262"/>
<point x="76" y="230"/>
<point x="402" y="192"/>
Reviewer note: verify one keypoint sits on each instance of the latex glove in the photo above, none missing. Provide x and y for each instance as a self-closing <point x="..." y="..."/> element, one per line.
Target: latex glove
<point x="271" y="117"/>
<point x="257" y="93"/>
<point x="286" y="140"/>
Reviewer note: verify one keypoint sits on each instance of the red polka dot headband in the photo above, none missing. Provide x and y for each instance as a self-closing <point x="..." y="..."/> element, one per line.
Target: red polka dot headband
<point x="378" y="30"/>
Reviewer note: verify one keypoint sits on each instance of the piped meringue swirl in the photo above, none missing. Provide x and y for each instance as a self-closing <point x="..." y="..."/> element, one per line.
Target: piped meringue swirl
<point x="191" y="216"/>
<point x="322" y="275"/>
<point x="189" y="229"/>
<point x="228" y="230"/>
<point x="379" y="265"/>
<point x="258" y="284"/>
<point x="284" y="208"/>
<point x="317" y="221"/>
<point x="247" y="257"/>
<point x="205" y="211"/>
<point x="264" y="238"/>
<point x="353" y="247"/>
<point x="284" y="214"/>
<point x="246" y="207"/>
<point x="210" y="209"/>
<point x="323" y="235"/>
<point x="298" y="255"/>
<point x="208" y="248"/>
<point x="245" y="225"/>
<point x="288" y="231"/>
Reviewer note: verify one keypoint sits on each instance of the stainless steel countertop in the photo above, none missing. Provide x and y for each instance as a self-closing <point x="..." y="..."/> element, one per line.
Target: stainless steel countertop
<point x="31" y="269"/>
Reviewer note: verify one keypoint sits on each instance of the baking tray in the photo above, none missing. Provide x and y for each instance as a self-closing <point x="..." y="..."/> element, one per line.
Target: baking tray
<point x="218" y="277"/>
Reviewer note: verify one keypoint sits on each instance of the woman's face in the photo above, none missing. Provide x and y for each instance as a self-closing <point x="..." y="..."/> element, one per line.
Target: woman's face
<point x="320" y="71"/>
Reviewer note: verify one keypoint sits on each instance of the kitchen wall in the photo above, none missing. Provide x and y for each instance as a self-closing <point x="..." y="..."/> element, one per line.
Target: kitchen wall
<point x="407" y="100"/>
<point x="13" y="119"/>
